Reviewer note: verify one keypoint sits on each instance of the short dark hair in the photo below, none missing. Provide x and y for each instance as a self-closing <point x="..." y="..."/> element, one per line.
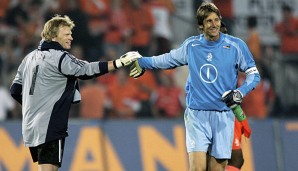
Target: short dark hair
<point x="204" y="10"/>
<point x="223" y="28"/>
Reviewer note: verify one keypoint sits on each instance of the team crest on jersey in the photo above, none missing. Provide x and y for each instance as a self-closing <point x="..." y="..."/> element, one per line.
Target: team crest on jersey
<point x="227" y="47"/>
<point x="209" y="57"/>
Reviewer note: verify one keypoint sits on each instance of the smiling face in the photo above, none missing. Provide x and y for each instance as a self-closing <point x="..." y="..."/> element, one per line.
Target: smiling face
<point x="211" y="27"/>
<point x="64" y="37"/>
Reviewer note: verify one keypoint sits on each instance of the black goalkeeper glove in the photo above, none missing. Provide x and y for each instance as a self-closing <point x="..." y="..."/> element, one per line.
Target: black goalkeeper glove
<point x="232" y="98"/>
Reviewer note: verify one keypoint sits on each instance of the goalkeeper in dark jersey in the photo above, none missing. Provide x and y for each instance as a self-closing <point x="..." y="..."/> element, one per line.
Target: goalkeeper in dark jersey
<point x="46" y="86"/>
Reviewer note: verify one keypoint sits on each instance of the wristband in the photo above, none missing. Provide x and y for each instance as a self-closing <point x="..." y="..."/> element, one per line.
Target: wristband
<point x="114" y="64"/>
<point x="118" y="63"/>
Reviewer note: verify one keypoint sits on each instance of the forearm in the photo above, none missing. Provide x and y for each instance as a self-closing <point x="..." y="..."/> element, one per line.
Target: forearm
<point x="250" y="83"/>
<point x="165" y="61"/>
<point x="92" y="70"/>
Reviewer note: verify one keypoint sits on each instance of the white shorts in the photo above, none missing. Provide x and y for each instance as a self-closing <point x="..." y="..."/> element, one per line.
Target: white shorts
<point x="211" y="130"/>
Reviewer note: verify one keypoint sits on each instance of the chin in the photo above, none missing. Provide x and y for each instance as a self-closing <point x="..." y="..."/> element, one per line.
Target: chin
<point x="215" y="34"/>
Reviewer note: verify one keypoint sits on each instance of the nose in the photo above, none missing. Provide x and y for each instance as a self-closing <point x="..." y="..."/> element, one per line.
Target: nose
<point x="213" y="23"/>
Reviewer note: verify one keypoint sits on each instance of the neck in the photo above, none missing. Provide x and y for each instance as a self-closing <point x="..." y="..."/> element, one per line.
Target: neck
<point x="211" y="38"/>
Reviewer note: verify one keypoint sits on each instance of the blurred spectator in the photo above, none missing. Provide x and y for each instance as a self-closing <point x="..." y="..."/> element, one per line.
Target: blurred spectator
<point x="3" y="8"/>
<point x="145" y="85"/>
<point x="227" y="12"/>
<point x="253" y="38"/>
<point x="123" y="95"/>
<point x="183" y="22"/>
<point x="7" y="103"/>
<point x="107" y="80"/>
<point x="118" y="31"/>
<point x="80" y="31"/>
<point x="51" y="8"/>
<point x="167" y="99"/>
<point x="196" y="5"/>
<point x="258" y="104"/>
<point x="141" y="22"/>
<point x="29" y="34"/>
<point x="288" y="31"/>
<point x="93" y="101"/>
<point x="98" y="14"/>
<point x="162" y="11"/>
<point x="286" y="68"/>
<point x="17" y="15"/>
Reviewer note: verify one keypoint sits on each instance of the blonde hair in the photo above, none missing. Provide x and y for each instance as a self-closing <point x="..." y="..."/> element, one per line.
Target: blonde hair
<point x="50" y="29"/>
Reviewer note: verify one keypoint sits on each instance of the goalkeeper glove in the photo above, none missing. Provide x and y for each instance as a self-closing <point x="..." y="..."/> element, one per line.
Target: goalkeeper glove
<point x="126" y="59"/>
<point x="135" y="70"/>
<point x="232" y="98"/>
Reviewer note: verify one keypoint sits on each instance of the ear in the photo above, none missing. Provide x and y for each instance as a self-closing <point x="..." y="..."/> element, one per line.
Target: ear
<point x="201" y="28"/>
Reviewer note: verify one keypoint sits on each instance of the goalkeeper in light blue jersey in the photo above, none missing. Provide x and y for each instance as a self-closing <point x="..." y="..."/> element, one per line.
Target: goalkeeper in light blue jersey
<point x="213" y="59"/>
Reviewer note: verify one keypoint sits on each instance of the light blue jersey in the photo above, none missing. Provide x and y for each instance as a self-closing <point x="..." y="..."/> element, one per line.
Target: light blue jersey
<point x="213" y="69"/>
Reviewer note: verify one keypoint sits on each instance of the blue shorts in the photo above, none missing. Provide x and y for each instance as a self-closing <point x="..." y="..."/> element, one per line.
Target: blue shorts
<point x="209" y="130"/>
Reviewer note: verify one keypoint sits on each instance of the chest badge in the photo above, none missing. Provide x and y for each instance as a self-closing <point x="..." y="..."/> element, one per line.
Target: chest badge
<point x="209" y="57"/>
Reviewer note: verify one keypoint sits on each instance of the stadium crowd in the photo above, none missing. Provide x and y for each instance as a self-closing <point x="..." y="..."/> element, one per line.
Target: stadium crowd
<point x="106" y="29"/>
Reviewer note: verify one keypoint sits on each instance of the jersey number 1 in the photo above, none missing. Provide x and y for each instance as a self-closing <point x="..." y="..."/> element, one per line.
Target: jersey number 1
<point x="35" y="71"/>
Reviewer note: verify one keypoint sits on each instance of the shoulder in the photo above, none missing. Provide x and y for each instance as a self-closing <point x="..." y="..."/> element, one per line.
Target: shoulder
<point x="56" y="53"/>
<point x="234" y="41"/>
<point x="191" y="40"/>
<point x="29" y="56"/>
<point x="232" y="38"/>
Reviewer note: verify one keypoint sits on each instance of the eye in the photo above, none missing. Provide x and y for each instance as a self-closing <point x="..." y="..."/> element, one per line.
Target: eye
<point x="209" y="21"/>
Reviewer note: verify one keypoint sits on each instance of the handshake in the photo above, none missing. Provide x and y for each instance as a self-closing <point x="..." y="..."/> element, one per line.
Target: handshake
<point x="130" y="58"/>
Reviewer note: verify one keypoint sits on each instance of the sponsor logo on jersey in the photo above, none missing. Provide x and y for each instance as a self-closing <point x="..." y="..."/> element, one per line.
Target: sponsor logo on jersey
<point x="195" y="44"/>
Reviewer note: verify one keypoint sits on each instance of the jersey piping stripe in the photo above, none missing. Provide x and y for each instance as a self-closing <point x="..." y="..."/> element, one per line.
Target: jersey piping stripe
<point x="60" y="151"/>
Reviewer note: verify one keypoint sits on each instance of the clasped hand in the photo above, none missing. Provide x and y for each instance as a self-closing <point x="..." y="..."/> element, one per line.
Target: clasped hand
<point x="232" y="98"/>
<point x="126" y="59"/>
<point x="130" y="58"/>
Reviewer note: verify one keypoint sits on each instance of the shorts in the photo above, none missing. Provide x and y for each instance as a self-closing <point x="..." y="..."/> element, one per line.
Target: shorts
<point x="237" y="135"/>
<point x="49" y="152"/>
<point x="209" y="131"/>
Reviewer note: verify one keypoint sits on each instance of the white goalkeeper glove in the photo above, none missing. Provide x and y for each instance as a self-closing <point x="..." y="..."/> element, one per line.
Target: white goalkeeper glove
<point x="232" y="98"/>
<point x="135" y="70"/>
<point x="126" y="59"/>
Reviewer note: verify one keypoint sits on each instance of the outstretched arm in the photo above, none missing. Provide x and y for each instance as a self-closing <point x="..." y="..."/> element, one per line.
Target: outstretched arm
<point x="124" y="60"/>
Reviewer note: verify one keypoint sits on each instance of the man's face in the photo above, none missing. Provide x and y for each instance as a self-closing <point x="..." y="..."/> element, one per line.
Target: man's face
<point x="64" y="37"/>
<point x="211" y="27"/>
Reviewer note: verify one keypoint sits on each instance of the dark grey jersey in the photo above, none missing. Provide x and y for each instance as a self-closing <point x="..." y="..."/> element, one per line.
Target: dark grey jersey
<point x="48" y="77"/>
